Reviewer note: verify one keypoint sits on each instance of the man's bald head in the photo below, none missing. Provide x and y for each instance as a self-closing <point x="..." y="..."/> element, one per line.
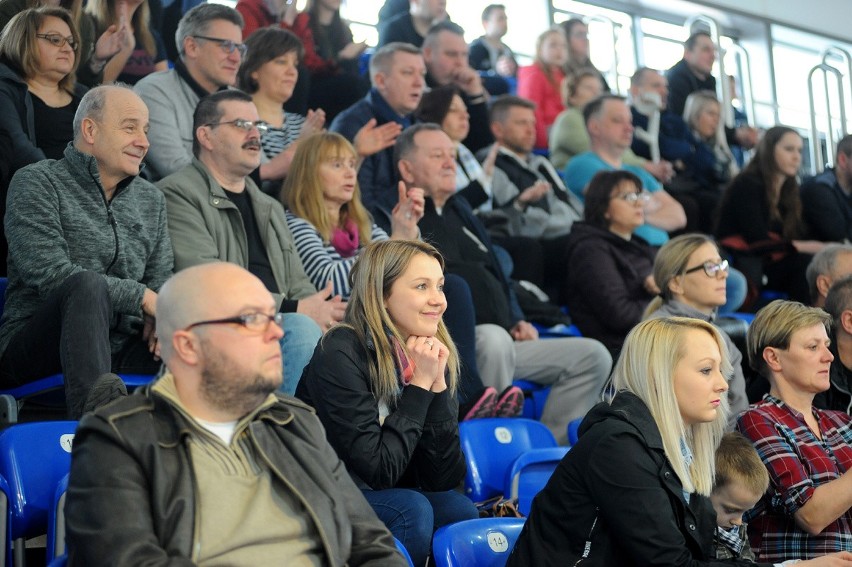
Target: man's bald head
<point x="203" y="292"/>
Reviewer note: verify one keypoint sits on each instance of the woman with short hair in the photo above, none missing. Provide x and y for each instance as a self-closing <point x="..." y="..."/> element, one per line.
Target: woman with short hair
<point x="807" y="510"/>
<point x="610" y="280"/>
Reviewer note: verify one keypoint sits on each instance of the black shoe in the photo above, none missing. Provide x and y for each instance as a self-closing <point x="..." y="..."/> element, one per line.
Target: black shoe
<point x="107" y="387"/>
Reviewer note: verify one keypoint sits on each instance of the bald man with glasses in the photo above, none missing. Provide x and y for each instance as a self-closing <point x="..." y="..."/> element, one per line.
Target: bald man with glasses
<point x="208" y="465"/>
<point x="209" y="39"/>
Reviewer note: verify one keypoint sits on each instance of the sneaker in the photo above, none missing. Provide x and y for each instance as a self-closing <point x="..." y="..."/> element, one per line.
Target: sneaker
<point x="107" y="387"/>
<point x="483" y="406"/>
<point x="510" y="403"/>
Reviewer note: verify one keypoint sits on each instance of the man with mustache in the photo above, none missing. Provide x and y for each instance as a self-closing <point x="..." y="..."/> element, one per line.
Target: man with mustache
<point x="217" y="213"/>
<point x="88" y="252"/>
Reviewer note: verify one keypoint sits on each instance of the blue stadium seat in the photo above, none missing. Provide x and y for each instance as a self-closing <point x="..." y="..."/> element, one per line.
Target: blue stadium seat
<point x="557" y="331"/>
<point x="530" y="473"/>
<point x="5" y="530"/>
<point x="535" y="396"/>
<point x="34" y="457"/>
<point x="486" y="542"/>
<point x="56" y="522"/>
<point x="490" y="447"/>
<point x="573" y="429"/>
<point x="404" y="552"/>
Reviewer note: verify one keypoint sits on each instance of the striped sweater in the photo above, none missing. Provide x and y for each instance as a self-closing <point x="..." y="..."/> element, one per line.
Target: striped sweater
<point x="320" y="260"/>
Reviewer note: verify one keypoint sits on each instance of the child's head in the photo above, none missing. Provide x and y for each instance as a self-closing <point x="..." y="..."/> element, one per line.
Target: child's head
<point x="741" y="480"/>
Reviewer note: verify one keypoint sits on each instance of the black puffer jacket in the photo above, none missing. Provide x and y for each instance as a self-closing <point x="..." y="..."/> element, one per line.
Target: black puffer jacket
<point x="616" y="493"/>
<point x="417" y="444"/>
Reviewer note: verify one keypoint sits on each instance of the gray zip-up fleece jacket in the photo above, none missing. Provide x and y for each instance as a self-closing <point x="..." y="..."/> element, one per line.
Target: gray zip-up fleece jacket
<point x="58" y="223"/>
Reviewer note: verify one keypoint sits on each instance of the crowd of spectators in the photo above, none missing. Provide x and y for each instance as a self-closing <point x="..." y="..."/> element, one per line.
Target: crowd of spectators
<point x="392" y="237"/>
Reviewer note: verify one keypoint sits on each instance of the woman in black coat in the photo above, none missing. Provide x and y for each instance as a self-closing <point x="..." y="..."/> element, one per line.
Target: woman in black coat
<point x="760" y="217"/>
<point x="633" y="490"/>
<point x="610" y="269"/>
<point x="383" y="383"/>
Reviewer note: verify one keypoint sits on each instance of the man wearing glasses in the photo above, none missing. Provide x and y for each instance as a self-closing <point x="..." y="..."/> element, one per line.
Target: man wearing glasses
<point x="209" y="39"/>
<point x="216" y="212"/>
<point x="208" y="466"/>
<point x="610" y="127"/>
<point x="88" y="250"/>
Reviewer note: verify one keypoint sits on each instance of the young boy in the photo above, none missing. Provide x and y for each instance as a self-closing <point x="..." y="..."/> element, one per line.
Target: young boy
<point x="741" y="480"/>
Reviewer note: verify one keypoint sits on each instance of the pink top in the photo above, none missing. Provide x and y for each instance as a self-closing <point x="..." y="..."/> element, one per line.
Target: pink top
<point x="533" y="85"/>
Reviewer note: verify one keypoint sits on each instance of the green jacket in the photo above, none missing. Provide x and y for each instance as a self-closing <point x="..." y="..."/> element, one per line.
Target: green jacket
<point x="206" y="226"/>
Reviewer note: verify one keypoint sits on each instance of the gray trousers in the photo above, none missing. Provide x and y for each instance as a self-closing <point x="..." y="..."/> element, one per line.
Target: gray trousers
<point x="575" y="368"/>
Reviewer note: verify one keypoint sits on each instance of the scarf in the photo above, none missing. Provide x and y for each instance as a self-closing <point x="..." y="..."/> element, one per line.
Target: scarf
<point x="345" y="240"/>
<point x="404" y="365"/>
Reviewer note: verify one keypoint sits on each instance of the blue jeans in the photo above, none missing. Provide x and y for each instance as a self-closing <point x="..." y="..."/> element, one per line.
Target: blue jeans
<point x="412" y="516"/>
<point x="301" y="335"/>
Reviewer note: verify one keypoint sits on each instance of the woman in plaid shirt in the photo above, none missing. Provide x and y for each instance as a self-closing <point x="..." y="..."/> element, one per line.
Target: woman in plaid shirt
<point x="806" y="511"/>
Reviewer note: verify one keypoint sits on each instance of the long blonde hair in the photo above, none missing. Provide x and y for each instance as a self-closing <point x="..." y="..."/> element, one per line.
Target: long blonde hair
<point x="103" y="11"/>
<point x="646" y="366"/>
<point x="302" y="191"/>
<point x="372" y="276"/>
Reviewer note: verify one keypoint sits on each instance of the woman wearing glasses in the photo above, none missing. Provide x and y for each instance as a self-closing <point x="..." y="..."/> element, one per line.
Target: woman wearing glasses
<point x="39" y="51"/>
<point x="692" y="278"/>
<point x="382" y="384"/>
<point x="760" y="217"/>
<point x="610" y="280"/>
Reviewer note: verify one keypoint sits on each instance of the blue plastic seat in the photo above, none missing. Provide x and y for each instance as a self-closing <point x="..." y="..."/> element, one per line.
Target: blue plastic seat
<point x="573" y="431"/>
<point x="486" y="542"/>
<point x="5" y="526"/>
<point x="530" y="473"/>
<point x="56" y="522"/>
<point x="491" y="446"/>
<point x="404" y="552"/>
<point x="535" y="396"/>
<point x="34" y="457"/>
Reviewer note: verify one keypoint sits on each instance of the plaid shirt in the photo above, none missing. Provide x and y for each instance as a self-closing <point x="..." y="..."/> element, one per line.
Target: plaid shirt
<point x="732" y="543"/>
<point x="798" y="462"/>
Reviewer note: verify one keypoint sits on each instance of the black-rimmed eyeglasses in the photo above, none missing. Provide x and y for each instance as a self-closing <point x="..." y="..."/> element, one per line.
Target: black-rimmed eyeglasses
<point x="243" y="124"/>
<point x="227" y="45"/>
<point x="255" y="321"/>
<point x="712" y="269"/>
